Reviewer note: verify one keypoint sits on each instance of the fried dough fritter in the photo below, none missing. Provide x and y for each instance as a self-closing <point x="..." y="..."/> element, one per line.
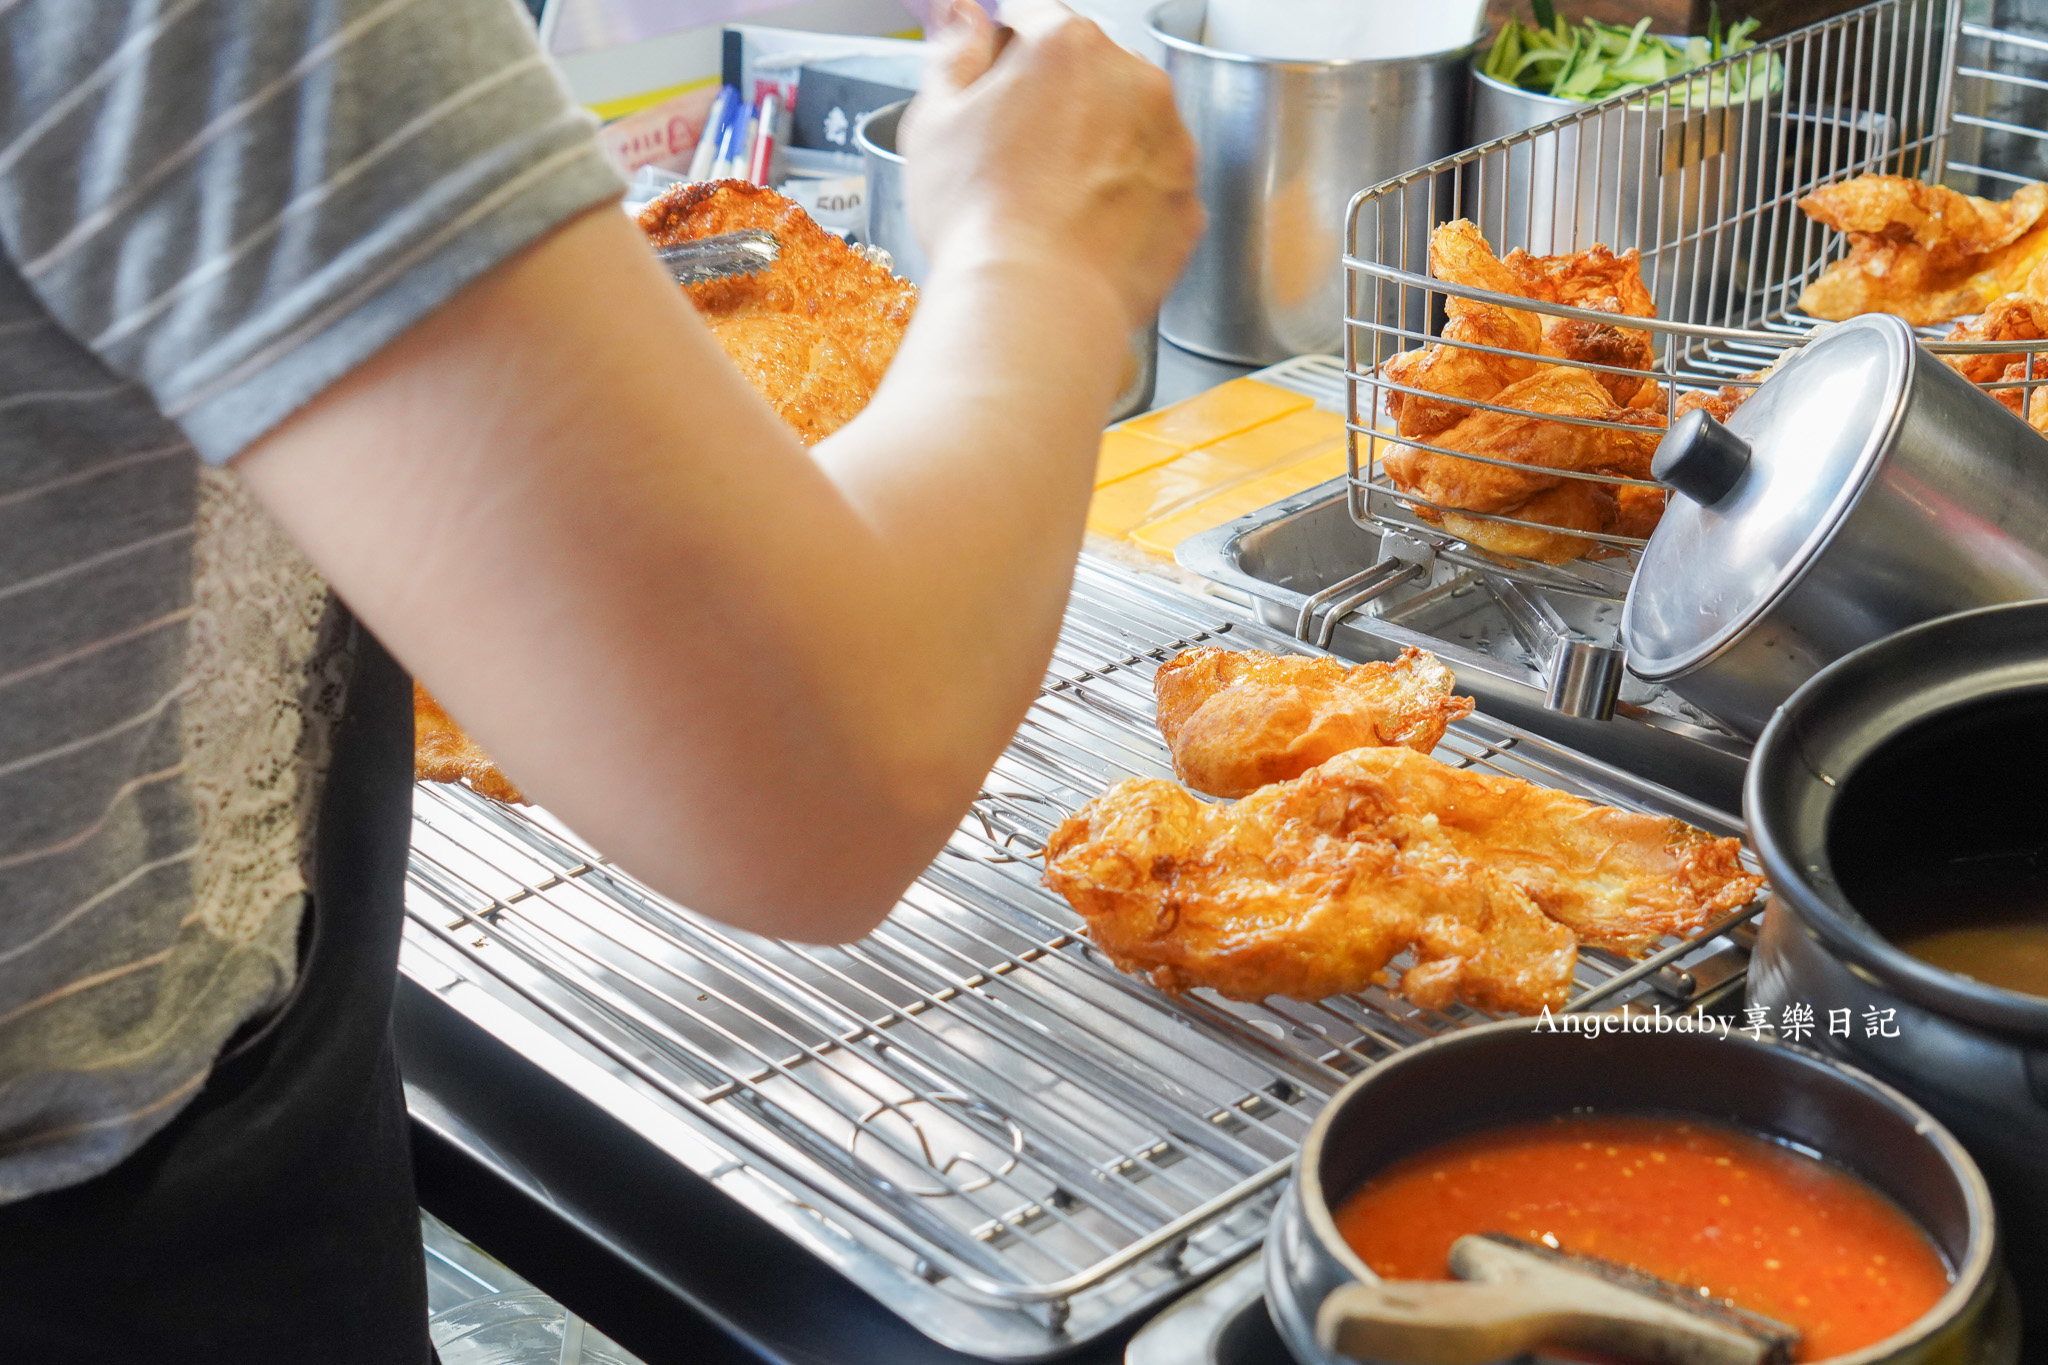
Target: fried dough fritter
<point x="1311" y="887"/>
<point x="1306" y="889"/>
<point x="1923" y="252"/>
<point x="2031" y="405"/>
<point x="1459" y="254"/>
<point x="814" y="332"/>
<point x="1618" y="878"/>
<point x="1551" y="380"/>
<point x="1948" y="223"/>
<point x="1538" y="445"/>
<point x="2019" y="316"/>
<point x="1572" y="342"/>
<point x="442" y="752"/>
<point x="1239" y="720"/>
<point x="1720" y="404"/>
<point x="1573" y="505"/>
<point x="1520" y="436"/>
<point x="1595" y="279"/>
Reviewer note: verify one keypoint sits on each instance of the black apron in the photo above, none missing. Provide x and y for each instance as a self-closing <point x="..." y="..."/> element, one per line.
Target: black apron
<point x="273" y="1221"/>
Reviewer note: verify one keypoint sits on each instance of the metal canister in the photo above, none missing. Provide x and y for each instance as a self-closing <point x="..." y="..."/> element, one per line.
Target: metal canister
<point x="1282" y="147"/>
<point x="1864" y="487"/>
<point x="887" y="202"/>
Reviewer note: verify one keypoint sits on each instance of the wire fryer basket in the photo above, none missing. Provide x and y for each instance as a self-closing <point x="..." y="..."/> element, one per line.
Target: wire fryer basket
<point x="1702" y="175"/>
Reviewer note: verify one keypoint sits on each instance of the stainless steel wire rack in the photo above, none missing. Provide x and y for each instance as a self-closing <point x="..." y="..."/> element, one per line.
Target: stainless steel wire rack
<point x="970" y="1113"/>
<point x="1702" y="175"/>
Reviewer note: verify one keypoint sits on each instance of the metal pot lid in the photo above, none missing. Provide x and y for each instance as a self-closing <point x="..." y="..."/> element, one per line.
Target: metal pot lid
<point x="1755" y="501"/>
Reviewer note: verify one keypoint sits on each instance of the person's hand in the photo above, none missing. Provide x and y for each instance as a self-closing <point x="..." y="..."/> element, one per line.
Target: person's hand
<point x="1066" y="151"/>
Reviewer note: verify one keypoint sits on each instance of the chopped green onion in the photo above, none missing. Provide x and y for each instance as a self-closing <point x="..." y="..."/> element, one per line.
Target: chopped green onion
<point x="1596" y="61"/>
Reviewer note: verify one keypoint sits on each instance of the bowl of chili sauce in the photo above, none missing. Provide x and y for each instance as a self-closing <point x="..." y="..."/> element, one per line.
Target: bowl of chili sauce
<point x="1756" y="1175"/>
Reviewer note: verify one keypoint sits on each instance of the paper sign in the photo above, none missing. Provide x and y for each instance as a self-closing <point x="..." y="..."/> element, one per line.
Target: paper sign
<point x="661" y="135"/>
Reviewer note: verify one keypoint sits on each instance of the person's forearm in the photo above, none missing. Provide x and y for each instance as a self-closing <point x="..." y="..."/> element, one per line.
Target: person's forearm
<point x="768" y="680"/>
<point x="973" y="466"/>
<point x="768" y="690"/>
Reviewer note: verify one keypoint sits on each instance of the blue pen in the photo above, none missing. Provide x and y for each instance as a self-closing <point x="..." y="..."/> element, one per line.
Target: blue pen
<point x="706" y="155"/>
<point x="728" y="131"/>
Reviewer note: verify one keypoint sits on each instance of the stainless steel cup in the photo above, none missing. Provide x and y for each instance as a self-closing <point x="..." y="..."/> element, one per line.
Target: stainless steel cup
<point x="1698" y="188"/>
<point x="886" y="199"/>
<point x="1282" y="147"/>
<point x="887" y="202"/>
<point x="1604" y="181"/>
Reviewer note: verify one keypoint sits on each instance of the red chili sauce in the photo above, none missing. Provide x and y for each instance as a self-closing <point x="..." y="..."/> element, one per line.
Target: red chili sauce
<point x="1741" y="1219"/>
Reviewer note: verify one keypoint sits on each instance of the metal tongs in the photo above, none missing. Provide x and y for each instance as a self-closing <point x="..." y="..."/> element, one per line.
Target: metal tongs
<point x="723" y="257"/>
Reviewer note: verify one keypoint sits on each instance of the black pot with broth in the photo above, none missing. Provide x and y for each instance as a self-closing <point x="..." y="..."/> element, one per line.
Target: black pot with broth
<point x="1899" y="804"/>
<point x="1939" y="839"/>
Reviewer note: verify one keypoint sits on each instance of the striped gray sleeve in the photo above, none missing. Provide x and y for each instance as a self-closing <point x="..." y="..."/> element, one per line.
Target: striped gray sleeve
<point x="235" y="202"/>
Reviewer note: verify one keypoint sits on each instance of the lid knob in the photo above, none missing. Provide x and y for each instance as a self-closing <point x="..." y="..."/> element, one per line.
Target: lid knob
<point x="1700" y="458"/>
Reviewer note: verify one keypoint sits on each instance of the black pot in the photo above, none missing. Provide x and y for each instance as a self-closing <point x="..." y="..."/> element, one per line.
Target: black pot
<point x="1516" y="1071"/>
<point x="1910" y="749"/>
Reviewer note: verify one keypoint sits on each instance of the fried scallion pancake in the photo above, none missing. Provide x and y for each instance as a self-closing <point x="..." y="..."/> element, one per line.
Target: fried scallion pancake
<point x="1236" y="720"/>
<point x="1923" y="252"/>
<point x="441" y="752"/>
<point x="814" y="332"/>
<point x="1311" y="887"/>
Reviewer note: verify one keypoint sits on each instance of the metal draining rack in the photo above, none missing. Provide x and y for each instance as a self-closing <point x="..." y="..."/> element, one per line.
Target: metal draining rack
<point x="970" y="1113"/>
<point x="1707" y="188"/>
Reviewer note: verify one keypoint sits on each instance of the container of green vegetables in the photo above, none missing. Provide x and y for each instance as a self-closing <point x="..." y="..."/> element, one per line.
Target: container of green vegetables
<point x="1654" y="173"/>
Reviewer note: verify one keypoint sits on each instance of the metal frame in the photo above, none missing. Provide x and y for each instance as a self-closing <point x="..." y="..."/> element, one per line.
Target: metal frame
<point x="1708" y="193"/>
<point x="971" y="1113"/>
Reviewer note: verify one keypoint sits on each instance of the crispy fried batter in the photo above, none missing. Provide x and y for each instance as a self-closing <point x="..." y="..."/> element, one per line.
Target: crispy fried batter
<point x="1637" y="511"/>
<point x="1595" y="279"/>
<point x="1946" y="222"/>
<point x="2030" y="405"/>
<point x="813" y="332"/>
<point x="1720" y="404"/>
<point x="1307" y="889"/>
<point x="1923" y="252"/>
<point x="1310" y="887"/>
<point x="1574" y="505"/>
<point x="1238" y="720"/>
<point x="1614" y="877"/>
<point x="1571" y="504"/>
<point x="1601" y="343"/>
<point x="1558" y="390"/>
<point x="2018" y="316"/>
<point x="443" y="753"/>
<point x="2015" y="317"/>
<point x="1460" y="254"/>
<point x="1553" y="381"/>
